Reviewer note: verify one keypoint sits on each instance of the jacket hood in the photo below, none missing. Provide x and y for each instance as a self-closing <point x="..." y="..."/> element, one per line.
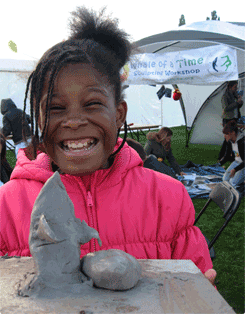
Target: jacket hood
<point x="239" y="136"/>
<point x="7" y="105"/>
<point x="40" y="168"/>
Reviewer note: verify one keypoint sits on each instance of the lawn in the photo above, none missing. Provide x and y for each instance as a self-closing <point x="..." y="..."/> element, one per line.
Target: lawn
<point x="229" y="248"/>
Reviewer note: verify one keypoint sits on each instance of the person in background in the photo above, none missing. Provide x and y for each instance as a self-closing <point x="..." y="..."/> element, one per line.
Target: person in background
<point x="5" y="168"/>
<point x="159" y="145"/>
<point x="231" y="103"/>
<point x="150" y="161"/>
<point x="12" y="123"/>
<point x="233" y="150"/>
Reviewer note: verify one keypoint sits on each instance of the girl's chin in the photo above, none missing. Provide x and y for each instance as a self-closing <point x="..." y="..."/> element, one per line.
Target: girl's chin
<point x="83" y="163"/>
<point x="78" y="172"/>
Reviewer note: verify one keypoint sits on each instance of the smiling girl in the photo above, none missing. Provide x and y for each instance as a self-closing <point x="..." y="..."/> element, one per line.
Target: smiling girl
<point x="78" y="107"/>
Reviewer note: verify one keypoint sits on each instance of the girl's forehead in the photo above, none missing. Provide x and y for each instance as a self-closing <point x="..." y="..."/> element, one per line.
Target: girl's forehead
<point x="86" y="74"/>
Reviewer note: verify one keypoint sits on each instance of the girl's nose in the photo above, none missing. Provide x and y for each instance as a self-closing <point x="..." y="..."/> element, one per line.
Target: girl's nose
<point x="74" y="123"/>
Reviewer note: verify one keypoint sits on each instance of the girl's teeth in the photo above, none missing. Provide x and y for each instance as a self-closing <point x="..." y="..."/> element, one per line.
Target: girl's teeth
<point x="77" y="145"/>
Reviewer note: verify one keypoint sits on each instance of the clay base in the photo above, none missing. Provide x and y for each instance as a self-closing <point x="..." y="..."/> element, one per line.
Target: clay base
<point x="162" y="289"/>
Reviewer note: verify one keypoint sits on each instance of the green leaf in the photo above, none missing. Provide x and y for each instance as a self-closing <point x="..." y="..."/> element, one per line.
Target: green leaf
<point x="12" y="46"/>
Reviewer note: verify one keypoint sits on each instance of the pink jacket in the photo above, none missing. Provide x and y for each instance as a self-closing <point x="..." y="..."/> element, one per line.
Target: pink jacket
<point x="142" y="212"/>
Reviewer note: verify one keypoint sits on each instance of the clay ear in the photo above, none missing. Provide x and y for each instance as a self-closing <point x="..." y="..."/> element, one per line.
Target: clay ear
<point x="44" y="231"/>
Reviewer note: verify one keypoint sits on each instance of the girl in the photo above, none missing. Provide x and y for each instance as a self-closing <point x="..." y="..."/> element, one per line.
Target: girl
<point x="233" y="150"/>
<point x="76" y="102"/>
<point x="159" y="145"/>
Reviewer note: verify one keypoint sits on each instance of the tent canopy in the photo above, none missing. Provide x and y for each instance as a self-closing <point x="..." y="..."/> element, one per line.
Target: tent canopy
<point x="201" y="105"/>
<point x="13" y="79"/>
<point x="198" y="35"/>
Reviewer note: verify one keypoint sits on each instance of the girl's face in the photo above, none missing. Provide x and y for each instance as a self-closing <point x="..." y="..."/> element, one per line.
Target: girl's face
<point x="84" y="120"/>
<point x="230" y="136"/>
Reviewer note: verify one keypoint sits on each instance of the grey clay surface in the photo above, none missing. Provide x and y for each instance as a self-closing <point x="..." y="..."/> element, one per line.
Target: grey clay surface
<point x="112" y="269"/>
<point x="54" y="240"/>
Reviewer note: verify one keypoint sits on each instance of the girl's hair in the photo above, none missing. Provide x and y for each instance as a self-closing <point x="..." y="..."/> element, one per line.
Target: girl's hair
<point x="230" y="127"/>
<point x="160" y="136"/>
<point x="95" y="40"/>
<point x="138" y="147"/>
<point x="231" y="83"/>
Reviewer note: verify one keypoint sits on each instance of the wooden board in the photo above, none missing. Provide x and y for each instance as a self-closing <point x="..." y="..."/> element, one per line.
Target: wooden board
<point x="166" y="286"/>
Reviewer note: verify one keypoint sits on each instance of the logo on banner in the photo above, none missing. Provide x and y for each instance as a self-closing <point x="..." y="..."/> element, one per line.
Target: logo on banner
<point x="221" y="64"/>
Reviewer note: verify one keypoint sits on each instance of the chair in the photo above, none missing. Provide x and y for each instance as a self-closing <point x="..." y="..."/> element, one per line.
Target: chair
<point x="228" y="199"/>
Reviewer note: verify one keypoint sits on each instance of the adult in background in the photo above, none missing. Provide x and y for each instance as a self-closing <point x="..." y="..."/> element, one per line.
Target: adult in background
<point x="231" y="103"/>
<point x="159" y="145"/>
<point x="150" y="161"/>
<point x="5" y="168"/>
<point x="233" y="150"/>
<point x="12" y="123"/>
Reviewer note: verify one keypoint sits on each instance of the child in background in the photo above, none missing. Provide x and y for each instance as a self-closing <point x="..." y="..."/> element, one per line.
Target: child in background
<point x="159" y="145"/>
<point x="233" y="150"/>
<point x="150" y="161"/>
<point x="76" y="102"/>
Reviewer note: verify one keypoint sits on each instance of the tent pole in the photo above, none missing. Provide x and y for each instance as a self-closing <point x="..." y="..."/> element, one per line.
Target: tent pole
<point x="161" y="114"/>
<point x="187" y="133"/>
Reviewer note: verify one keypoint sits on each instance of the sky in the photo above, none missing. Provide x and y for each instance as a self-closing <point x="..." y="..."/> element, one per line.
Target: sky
<point x="35" y="26"/>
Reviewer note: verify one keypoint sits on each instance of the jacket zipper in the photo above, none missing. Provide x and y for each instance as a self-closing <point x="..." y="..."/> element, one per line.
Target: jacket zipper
<point x="90" y="204"/>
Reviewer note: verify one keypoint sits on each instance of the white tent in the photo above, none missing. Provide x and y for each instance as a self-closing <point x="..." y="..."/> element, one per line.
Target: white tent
<point x="13" y="78"/>
<point x="201" y="105"/>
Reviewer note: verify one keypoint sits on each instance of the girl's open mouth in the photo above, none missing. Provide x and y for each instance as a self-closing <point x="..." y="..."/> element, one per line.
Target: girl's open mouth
<point x="78" y="148"/>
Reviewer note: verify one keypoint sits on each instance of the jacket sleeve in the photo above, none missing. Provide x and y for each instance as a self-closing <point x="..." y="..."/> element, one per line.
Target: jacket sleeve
<point x="227" y="105"/>
<point x="241" y="147"/>
<point x="148" y="148"/>
<point x="188" y="241"/>
<point x="173" y="162"/>
<point x="222" y="150"/>
<point x="226" y="153"/>
<point x="6" y="130"/>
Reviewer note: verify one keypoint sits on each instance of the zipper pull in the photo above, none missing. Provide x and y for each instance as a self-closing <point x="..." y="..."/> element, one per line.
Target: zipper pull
<point x="89" y="199"/>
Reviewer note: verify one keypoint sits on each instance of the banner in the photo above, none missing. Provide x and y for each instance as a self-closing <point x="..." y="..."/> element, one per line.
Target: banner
<point x="202" y="66"/>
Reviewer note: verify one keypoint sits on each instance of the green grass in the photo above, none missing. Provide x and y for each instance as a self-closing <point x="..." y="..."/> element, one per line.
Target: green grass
<point x="229" y="248"/>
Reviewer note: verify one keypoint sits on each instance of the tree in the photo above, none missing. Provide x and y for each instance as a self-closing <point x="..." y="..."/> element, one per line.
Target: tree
<point x="214" y="16"/>
<point x="182" y="20"/>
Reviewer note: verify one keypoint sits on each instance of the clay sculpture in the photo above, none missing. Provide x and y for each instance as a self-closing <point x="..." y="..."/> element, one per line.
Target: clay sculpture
<point x="54" y="240"/>
<point x="111" y="269"/>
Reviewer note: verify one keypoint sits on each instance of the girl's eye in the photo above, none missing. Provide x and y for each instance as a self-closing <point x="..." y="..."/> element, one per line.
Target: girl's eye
<point x="94" y="104"/>
<point x="56" y="108"/>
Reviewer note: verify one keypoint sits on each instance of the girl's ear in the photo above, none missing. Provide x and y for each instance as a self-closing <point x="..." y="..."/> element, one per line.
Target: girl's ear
<point x="121" y="113"/>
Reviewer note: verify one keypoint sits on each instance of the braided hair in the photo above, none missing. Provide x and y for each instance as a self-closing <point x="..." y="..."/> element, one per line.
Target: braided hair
<point x="94" y="40"/>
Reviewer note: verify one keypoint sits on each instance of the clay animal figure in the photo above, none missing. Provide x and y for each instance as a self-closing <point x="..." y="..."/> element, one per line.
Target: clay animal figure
<point x="54" y="240"/>
<point x="111" y="269"/>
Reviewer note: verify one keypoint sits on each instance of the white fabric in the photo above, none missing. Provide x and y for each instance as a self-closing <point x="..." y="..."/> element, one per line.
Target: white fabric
<point x="204" y="66"/>
<point x="217" y="27"/>
<point x="207" y="127"/>
<point x="236" y="152"/>
<point x="20" y="145"/>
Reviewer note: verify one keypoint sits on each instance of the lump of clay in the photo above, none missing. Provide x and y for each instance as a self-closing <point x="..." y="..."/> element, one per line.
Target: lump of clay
<point x="54" y="240"/>
<point x="111" y="269"/>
